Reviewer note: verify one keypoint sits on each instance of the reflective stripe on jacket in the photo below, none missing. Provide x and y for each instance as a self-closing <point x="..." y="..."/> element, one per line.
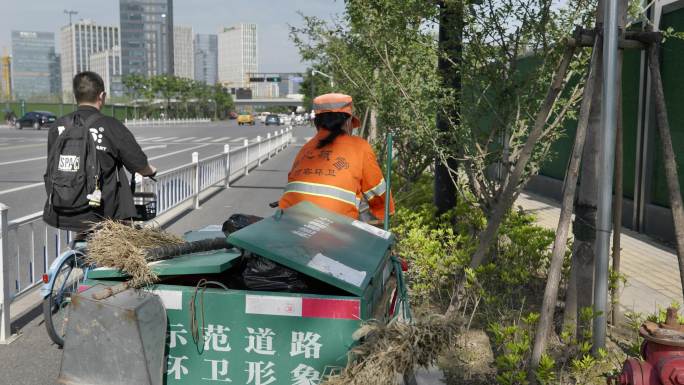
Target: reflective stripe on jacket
<point x="337" y="177"/>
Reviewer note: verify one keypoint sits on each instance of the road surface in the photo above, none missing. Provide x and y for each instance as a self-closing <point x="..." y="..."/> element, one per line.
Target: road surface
<point x="23" y="155"/>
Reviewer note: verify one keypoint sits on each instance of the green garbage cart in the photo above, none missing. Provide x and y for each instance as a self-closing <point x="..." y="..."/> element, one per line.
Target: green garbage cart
<point x="220" y="332"/>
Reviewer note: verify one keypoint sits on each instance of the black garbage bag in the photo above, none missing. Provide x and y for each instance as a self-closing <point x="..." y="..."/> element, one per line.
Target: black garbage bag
<point x="262" y="274"/>
<point x="239" y="221"/>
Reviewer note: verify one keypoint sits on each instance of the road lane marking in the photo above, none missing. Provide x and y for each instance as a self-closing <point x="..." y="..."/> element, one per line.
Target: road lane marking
<point x="153" y="147"/>
<point x="28" y="186"/>
<point x="166" y="139"/>
<point x="184" y="139"/>
<point x="10" y="147"/>
<point x="202" y="139"/>
<point x="152" y="138"/>
<point x="23" y="160"/>
<point x="225" y="138"/>
<point x="178" y="152"/>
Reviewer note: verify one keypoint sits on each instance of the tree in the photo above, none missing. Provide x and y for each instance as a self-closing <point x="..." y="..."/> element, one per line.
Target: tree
<point x="514" y="69"/>
<point x="449" y="63"/>
<point x="224" y="102"/>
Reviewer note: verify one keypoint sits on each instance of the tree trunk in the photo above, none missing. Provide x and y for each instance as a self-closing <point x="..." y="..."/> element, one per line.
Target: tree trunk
<point x="488" y="235"/>
<point x="584" y="226"/>
<point x="451" y="47"/>
<point x="559" y="245"/>
<point x="373" y="129"/>
<point x="673" y="188"/>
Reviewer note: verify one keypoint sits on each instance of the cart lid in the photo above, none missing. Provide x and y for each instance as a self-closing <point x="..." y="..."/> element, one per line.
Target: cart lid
<point x="213" y="262"/>
<point x="333" y="248"/>
<point x="207" y="232"/>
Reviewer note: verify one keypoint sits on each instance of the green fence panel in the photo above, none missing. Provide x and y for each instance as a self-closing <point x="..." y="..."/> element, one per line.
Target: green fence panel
<point x="673" y="85"/>
<point x="555" y="167"/>
<point x="59" y="109"/>
<point x="631" y="67"/>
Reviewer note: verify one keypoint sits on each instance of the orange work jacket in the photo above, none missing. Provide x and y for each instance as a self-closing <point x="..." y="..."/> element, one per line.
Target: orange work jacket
<point x="337" y="177"/>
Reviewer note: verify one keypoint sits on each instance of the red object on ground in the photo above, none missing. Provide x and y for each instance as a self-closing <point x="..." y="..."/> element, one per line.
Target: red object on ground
<point x="661" y="365"/>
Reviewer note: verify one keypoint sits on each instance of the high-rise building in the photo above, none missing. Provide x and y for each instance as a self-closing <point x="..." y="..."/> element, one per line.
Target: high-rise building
<point x="146" y="36"/>
<point x="78" y="42"/>
<point x="35" y="66"/>
<point x="107" y="64"/>
<point x="183" y="52"/>
<point x="5" y="76"/>
<point x="237" y="55"/>
<point x="206" y="58"/>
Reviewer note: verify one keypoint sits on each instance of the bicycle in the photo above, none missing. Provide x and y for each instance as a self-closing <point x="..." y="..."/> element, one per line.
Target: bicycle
<point x="68" y="272"/>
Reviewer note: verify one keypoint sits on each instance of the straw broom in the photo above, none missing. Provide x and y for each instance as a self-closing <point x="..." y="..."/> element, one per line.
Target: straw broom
<point x="114" y="244"/>
<point x="397" y="348"/>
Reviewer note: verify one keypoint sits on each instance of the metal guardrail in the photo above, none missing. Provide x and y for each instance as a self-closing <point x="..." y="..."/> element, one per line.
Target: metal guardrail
<point x="163" y="122"/>
<point x="28" y="245"/>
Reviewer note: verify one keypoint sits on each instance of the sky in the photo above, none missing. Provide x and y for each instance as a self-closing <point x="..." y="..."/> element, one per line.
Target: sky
<point x="276" y="52"/>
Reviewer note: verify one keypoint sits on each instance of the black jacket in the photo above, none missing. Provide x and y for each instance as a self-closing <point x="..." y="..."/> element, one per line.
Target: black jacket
<point x="117" y="149"/>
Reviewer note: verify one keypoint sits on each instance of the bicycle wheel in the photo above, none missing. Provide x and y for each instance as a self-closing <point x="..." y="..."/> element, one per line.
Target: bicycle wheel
<point x="66" y="282"/>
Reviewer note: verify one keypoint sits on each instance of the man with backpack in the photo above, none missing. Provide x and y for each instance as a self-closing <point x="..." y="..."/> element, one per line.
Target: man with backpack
<point x="85" y="179"/>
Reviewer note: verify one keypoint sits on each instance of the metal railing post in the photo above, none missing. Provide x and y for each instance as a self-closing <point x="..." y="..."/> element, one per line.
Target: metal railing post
<point x="268" y="146"/>
<point x="5" y="300"/>
<point x="281" y="139"/>
<point x="226" y="150"/>
<point x="258" y="150"/>
<point x="195" y="161"/>
<point x="246" y="144"/>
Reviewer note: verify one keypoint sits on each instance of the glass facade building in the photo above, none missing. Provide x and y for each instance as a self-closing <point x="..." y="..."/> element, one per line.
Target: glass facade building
<point x="146" y="37"/>
<point x="206" y="58"/>
<point x="35" y="66"/>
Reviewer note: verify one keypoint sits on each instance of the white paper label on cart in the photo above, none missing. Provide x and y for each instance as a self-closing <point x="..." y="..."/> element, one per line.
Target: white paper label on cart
<point x="338" y="270"/>
<point x="273" y="305"/>
<point x="372" y="229"/>
<point x="172" y="300"/>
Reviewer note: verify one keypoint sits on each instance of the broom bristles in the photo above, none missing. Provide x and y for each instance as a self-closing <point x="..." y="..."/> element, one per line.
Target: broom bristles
<point x="120" y="246"/>
<point x="396" y="348"/>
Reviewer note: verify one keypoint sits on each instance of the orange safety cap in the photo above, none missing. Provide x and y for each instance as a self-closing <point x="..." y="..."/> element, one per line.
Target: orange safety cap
<point x="336" y="103"/>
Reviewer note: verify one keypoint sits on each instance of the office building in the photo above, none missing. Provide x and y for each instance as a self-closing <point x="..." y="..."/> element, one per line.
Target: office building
<point x="35" y="66"/>
<point x="237" y="55"/>
<point x="206" y="58"/>
<point x="146" y="36"/>
<point x="183" y="52"/>
<point x="78" y="42"/>
<point x="107" y="64"/>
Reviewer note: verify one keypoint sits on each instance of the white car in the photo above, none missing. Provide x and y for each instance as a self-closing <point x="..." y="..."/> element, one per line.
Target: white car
<point x="284" y="119"/>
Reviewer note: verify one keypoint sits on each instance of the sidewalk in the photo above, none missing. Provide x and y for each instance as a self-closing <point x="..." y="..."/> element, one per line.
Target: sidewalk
<point x="250" y="194"/>
<point x="651" y="269"/>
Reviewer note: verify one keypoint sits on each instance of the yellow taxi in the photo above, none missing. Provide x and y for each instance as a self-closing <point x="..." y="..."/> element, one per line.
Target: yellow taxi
<point x="245" y="118"/>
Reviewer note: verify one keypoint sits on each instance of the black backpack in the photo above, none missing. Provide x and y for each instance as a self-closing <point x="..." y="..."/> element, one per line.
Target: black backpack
<point x="73" y="172"/>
